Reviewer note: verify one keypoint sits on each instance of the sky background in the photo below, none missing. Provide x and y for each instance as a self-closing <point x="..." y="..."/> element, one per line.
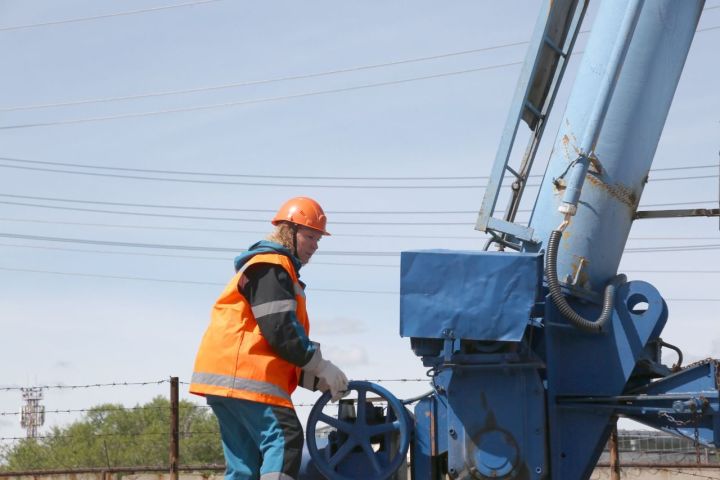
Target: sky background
<point x="111" y="260"/>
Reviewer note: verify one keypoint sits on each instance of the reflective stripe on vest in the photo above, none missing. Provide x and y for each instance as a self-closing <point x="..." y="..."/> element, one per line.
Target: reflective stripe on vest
<point x="238" y="383"/>
<point x="277" y="306"/>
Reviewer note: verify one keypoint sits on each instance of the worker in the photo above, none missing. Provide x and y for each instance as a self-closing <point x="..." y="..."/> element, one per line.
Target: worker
<point x="256" y="350"/>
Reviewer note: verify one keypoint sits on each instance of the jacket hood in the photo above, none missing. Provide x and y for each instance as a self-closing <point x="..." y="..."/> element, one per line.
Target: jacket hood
<point x="264" y="246"/>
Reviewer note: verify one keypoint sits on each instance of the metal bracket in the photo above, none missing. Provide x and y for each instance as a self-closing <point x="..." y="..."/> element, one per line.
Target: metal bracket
<point x="690" y="212"/>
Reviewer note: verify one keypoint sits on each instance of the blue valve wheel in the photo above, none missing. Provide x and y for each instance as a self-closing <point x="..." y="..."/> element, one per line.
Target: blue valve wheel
<point x="359" y="434"/>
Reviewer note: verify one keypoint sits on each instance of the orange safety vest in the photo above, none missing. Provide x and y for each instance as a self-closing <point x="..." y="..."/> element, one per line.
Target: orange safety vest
<point x="234" y="359"/>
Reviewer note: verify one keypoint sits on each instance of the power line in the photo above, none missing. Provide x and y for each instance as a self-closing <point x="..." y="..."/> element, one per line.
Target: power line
<point x="270" y="211"/>
<point x="250" y="82"/>
<point x="297" y="185"/>
<point x="653" y="180"/>
<point x="193" y="257"/>
<point x="266" y="99"/>
<point x="257" y="100"/>
<point x="312" y="289"/>
<point x="469" y="222"/>
<point x="109" y="15"/>
<point x="259" y="82"/>
<point x="315" y="177"/>
<point x="228" y="219"/>
<point x="680" y="248"/>
<point x="337" y="264"/>
<point x="243" y="175"/>
<point x="176" y="247"/>
<point x="224" y="209"/>
<point x="113" y="277"/>
<point x="220" y="230"/>
<point x="164" y="280"/>
<point x="321" y="252"/>
<point x="247" y="184"/>
<point x="674" y="271"/>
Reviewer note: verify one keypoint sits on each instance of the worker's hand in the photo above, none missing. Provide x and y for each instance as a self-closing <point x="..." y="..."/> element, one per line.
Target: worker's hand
<point x="331" y="378"/>
<point x="327" y="375"/>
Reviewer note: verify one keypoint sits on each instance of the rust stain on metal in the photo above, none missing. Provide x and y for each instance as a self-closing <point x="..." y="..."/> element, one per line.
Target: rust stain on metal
<point x="618" y="191"/>
<point x="569" y="143"/>
<point x="595" y="165"/>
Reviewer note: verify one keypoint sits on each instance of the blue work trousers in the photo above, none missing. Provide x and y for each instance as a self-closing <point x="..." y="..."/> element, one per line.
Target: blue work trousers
<point x="260" y="442"/>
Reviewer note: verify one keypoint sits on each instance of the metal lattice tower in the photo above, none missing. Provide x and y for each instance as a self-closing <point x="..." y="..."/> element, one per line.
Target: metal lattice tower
<point x="33" y="414"/>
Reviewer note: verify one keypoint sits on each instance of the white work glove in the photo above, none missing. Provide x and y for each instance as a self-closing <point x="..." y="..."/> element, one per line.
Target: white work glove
<point x="328" y="375"/>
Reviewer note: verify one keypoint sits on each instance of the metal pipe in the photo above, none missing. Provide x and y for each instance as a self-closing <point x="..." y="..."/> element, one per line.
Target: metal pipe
<point x="600" y="108"/>
<point x="593" y="326"/>
<point x="623" y="149"/>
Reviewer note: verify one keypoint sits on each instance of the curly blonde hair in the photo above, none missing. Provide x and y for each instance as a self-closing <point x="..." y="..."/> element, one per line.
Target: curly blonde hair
<point x="283" y="234"/>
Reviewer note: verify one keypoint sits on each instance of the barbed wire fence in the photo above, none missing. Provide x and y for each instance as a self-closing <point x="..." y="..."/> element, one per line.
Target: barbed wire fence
<point x="639" y="449"/>
<point x="171" y="437"/>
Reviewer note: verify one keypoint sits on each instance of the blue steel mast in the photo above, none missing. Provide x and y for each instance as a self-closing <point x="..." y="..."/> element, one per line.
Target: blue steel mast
<point x="534" y="354"/>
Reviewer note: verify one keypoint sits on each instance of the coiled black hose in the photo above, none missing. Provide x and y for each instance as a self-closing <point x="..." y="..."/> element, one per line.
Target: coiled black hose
<point x="559" y="299"/>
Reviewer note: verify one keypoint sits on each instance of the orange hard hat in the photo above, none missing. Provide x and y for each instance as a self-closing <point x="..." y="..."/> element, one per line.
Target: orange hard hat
<point x="302" y="211"/>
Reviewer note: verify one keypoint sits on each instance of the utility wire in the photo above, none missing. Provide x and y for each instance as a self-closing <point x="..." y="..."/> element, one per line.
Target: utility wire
<point x="297" y="185"/>
<point x="315" y="177"/>
<point x="257" y="100"/>
<point x="247" y="184"/>
<point x="331" y="290"/>
<point x="477" y="236"/>
<point x="266" y="99"/>
<point x="265" y="220"/>
<point x="262" y="100"/>
<point x="193" y="257"/>
<point x="337" y="264"/>
<point x="176" y="247"/>
<point x="241" y="175"/>
<point x="321" y="252"/>
<point x="228" y="219"/>
<point x="109" y="15"/>
<point x="224" y="209"/>
<point x="219" y="230"/>
<point x="270" y="211"/>
<point x="249" y="82"/>
<point x="259" y="82"/>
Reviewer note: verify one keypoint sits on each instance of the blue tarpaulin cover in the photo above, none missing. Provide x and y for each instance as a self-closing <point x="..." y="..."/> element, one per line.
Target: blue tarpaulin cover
<point x="477" y="295"/>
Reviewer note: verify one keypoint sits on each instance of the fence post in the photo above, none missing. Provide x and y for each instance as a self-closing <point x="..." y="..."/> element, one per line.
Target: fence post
<point x="614" y="453"/>
<point x="174" y="430"/>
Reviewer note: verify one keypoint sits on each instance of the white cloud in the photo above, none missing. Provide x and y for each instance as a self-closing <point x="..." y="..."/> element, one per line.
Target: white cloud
<point x="348" y="356"/>
<point x="337" y="326"/>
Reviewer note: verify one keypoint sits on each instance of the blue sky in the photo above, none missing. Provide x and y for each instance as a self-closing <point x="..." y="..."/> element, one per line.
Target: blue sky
<point x="82" y="312"/>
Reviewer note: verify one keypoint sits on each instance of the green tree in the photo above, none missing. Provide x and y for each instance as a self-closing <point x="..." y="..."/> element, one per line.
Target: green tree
<point x="111" y="435"/>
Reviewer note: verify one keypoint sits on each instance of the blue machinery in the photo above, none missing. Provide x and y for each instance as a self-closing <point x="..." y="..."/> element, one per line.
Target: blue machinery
<point x="533" y="353"/>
